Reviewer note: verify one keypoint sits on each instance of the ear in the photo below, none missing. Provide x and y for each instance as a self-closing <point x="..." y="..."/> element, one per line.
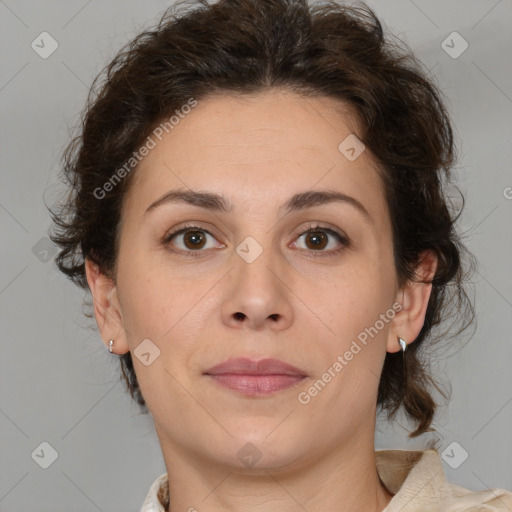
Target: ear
<point x="107" y="308"/>
<point x="413" y="297"/>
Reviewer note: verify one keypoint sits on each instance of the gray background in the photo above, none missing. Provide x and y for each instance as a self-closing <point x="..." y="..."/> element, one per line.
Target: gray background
<point x="58" y="383"/>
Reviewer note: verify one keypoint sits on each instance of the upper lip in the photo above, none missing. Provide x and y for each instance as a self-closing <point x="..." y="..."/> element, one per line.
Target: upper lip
<point x="245" y="366"/>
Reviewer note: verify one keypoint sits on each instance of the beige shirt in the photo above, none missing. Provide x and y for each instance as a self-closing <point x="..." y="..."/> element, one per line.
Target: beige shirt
<point x="415" y="478"/>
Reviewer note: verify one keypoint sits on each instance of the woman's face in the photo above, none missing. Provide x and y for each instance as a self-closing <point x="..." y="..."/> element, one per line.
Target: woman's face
<point x="279" y="273"/>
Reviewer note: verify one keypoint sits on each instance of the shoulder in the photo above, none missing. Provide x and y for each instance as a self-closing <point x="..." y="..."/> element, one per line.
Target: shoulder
<point x="417" y="480"/>
<point x="461" y="499"/>
<point x="158" y="495"/>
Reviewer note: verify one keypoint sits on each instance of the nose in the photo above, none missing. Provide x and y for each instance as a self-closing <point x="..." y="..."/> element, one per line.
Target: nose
<point x="258" y="296"/>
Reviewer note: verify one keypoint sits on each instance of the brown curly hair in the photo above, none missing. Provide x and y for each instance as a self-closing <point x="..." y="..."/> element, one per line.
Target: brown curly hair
<point x="248" y="46"/>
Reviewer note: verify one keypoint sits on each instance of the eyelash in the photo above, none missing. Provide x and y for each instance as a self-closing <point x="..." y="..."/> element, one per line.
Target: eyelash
<point x="312" y="227"/>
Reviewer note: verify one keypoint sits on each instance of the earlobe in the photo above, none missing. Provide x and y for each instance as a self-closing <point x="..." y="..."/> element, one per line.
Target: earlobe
<point x="414" y="298"/>
<point x="106" y="305"/>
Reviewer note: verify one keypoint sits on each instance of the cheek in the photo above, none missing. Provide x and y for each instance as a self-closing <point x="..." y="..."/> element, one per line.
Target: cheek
<point x="355" y="299"/>
<point x="353" y="347"/>
<point x="146" y="293"/>
<point x="159" y="304"/>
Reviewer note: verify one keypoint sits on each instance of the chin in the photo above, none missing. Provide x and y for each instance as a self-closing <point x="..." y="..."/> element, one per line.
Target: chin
<point x="263" y="450"/>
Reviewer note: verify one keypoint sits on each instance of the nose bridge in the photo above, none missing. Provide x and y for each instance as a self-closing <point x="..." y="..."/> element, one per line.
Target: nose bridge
<point x="256" y="267"/>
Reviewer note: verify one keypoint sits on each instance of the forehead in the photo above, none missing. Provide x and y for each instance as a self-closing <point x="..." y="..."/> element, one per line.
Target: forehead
<point x="258" y="147"/>
<point x="264" y="124"/>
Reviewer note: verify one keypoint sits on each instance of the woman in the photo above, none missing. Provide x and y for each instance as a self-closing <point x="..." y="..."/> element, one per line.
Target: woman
<point x="258" y="214"/>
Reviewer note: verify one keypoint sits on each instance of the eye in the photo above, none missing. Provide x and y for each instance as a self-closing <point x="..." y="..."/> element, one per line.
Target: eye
<point x="190" y="238"/>
<point x="322" y="240"/>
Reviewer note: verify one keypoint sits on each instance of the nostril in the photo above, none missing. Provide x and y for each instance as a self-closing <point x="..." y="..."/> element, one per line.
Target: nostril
<point x="274" y="316"/>
<point x="239" y="316"/>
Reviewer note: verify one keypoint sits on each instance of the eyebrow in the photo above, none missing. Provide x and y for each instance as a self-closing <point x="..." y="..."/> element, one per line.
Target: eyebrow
<point x="218" y="203"/>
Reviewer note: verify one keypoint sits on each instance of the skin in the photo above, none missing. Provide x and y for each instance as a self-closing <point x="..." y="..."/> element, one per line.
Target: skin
<point x="305" y="310"/>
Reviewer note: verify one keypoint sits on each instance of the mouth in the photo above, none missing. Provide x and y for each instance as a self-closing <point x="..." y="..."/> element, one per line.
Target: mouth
<point x="255" y="378"/>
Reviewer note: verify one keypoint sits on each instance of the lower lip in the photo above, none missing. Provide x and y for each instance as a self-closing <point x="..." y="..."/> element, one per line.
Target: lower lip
<point x="257" y="385"/>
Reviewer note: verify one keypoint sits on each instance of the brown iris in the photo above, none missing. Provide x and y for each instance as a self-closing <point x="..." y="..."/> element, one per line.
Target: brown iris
<point x="196" y="239"/>
<point x="318" y="239"/>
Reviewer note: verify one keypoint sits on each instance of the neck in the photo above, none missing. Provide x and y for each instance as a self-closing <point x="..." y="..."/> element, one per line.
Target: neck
<point x="342" y="480"/>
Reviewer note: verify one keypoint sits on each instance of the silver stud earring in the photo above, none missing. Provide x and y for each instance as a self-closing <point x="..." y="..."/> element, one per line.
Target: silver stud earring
<point x="402" y="343"/>
<point x="110" y="345"/>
